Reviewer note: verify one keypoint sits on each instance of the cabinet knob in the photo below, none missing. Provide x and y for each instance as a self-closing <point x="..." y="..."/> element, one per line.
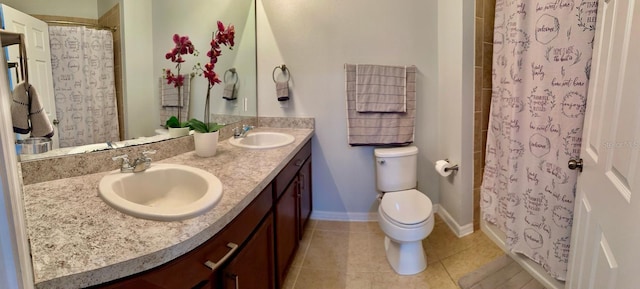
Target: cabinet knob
<point x="214" y="265"/>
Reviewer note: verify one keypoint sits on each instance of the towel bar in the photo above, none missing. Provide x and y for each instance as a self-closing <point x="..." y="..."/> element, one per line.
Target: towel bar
<point x="232" y="70"/>
<point x="284" y="69"/>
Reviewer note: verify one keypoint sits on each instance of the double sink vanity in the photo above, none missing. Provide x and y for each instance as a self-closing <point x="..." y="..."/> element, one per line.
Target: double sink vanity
<point x="240" y="226"/>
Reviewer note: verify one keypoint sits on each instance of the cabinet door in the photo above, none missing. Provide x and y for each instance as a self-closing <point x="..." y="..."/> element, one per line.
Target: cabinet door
<point x="254" y="266"/>
<point x="286" y="229"/>
<point x="305" y="195"/>
<point x="193" y="269"/>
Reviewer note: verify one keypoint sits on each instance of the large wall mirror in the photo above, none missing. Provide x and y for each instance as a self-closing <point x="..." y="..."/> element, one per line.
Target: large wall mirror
<point x="142" y="32"/>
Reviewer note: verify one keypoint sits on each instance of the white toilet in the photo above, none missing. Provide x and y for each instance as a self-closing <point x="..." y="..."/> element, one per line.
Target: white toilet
<point x="405" y="214"/>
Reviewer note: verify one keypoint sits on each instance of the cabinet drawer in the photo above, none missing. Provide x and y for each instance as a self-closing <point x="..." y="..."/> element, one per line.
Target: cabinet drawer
<point x="189" y="270"/>
<point x="291" y="169"/>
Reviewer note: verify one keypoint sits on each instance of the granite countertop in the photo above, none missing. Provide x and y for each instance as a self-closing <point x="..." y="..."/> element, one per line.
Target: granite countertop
<point x="77" y="240"/>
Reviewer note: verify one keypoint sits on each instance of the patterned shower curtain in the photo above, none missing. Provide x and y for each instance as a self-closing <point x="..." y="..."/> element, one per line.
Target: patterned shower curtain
<point x="541" y="62"/>
<point x="84" y="86"/>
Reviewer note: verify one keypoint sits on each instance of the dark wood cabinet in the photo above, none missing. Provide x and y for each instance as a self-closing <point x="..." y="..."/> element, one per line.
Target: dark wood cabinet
<point x="202" y="266"/>
<point x="304" y="195"/>
<point x="254" y="267"/>
<point x="254" y="251"/>
<point x="286" y="212"/>
<point x="292" y="189"/>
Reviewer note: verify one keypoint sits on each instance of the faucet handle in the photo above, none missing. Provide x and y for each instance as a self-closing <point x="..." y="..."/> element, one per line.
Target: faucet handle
<point x="237" y="132"/>
<point x="146" y="154"/>
<point x="246" y="127"/>
<point x="125" y="165"/>
<point x="124" y="158"/>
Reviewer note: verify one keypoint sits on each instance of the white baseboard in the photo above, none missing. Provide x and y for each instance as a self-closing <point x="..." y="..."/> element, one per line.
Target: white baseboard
<point x="343" y="216"/>
<point x="457" y="229"/>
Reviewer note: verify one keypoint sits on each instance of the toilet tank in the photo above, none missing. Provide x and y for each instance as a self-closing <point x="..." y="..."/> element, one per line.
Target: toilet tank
<point x="396" y="168"/>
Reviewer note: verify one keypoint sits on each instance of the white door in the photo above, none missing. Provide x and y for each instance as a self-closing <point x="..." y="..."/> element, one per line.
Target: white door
<point x="39" y="58"/>
<point x="605" y="247"/>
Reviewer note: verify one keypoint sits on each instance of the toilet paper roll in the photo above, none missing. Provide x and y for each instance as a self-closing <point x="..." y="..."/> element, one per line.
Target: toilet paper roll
<point x="441" y="165"/>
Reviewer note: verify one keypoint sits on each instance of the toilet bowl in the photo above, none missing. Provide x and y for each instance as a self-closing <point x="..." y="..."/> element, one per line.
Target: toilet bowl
<point x="405" y="214"/>
<point x="406" y="218"/>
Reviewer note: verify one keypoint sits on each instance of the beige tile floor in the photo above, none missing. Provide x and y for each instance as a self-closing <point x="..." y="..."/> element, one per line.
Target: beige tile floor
<point x="350" y="255"/>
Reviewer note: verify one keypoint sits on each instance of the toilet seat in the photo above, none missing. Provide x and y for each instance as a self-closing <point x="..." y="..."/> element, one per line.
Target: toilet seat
<point x="408" y="208"/>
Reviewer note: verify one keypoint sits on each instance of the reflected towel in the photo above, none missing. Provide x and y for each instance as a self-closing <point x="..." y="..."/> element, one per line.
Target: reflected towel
<point x="20" y="109"/>
<point x="282" y="90"/>
<point x="381" y="88"/>
<point x="40" y="124"/>
<point x="229" y="91"/>
<point x="379" y="128"/>
<point x="169" y="93"/>
<point x="167" y="111"/>
<point x="28" y="114"/>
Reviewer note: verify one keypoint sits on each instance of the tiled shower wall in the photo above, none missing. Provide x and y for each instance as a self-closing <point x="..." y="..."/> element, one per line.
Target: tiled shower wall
<point x="484" y="19"/>
<point x="112" y="19"/>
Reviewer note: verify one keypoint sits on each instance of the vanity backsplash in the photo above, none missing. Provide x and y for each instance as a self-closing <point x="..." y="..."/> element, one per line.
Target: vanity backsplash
<point x="43" y="170"/>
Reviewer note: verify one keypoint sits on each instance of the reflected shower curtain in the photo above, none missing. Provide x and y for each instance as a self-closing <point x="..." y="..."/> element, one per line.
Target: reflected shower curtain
<point x="84" y="85"/>
<point x="541" y="62"/>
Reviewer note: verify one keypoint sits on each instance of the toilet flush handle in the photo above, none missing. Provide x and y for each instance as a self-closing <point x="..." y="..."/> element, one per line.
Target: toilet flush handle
<point x="382" y="162"/>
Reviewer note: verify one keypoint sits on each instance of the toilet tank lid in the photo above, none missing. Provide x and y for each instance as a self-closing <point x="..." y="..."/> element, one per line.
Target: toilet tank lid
<point x="395" y="152"/>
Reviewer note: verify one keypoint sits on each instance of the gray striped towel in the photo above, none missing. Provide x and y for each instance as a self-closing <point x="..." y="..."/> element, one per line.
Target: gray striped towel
<point x="282" y="90"/>
<point x="381" y="88"/>
<point x="380" y="128"/>
<point x="167" y="111"/>
<point x="169" y="93"/>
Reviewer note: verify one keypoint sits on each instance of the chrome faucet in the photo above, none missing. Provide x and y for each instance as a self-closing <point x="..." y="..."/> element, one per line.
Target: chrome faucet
<point x="241" y="132"/>
<point x="140" y="164"/>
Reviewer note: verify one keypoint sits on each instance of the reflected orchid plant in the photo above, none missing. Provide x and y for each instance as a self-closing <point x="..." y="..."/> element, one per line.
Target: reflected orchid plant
<point x="183" y="46"/>
<point x="225" y="35"/>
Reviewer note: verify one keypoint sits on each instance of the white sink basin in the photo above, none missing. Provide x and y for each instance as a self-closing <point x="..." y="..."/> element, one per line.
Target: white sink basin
<point x="164" y="192"/>
<point x="262" y="140"/>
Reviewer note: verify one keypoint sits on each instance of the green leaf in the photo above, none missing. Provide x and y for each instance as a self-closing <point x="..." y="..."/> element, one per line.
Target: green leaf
<point x="197" y="125"/>
<point x="173" y="122"/>
<point x="214" y="126"/>
<point x="201" y="127"/>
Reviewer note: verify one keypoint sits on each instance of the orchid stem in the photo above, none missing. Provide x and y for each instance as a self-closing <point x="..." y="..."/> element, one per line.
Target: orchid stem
<point x="207" y="107"/>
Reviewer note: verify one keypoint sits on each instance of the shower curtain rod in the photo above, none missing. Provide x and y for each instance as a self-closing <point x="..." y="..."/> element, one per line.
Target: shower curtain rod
<point x="73" y="23"/>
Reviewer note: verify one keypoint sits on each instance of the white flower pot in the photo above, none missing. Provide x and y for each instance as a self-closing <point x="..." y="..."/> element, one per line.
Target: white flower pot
<point x="178" y="131"/>
<point x="206" y="143"/>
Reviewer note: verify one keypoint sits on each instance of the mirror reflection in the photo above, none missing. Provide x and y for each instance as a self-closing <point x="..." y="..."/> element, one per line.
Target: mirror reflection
<point x="101" y="83"/>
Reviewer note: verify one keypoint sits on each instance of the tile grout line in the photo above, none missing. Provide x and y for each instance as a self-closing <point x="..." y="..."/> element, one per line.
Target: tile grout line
<point x="304" y="256"/>
<point x="455" y="282"/>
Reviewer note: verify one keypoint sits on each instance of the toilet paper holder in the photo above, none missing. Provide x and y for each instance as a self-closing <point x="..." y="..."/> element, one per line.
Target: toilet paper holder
<point x="453" y="168"/>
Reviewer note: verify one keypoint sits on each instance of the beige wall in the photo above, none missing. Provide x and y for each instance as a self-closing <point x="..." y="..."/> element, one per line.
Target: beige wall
<point x="69" y="8"/>
<point x="138" y="74"/>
